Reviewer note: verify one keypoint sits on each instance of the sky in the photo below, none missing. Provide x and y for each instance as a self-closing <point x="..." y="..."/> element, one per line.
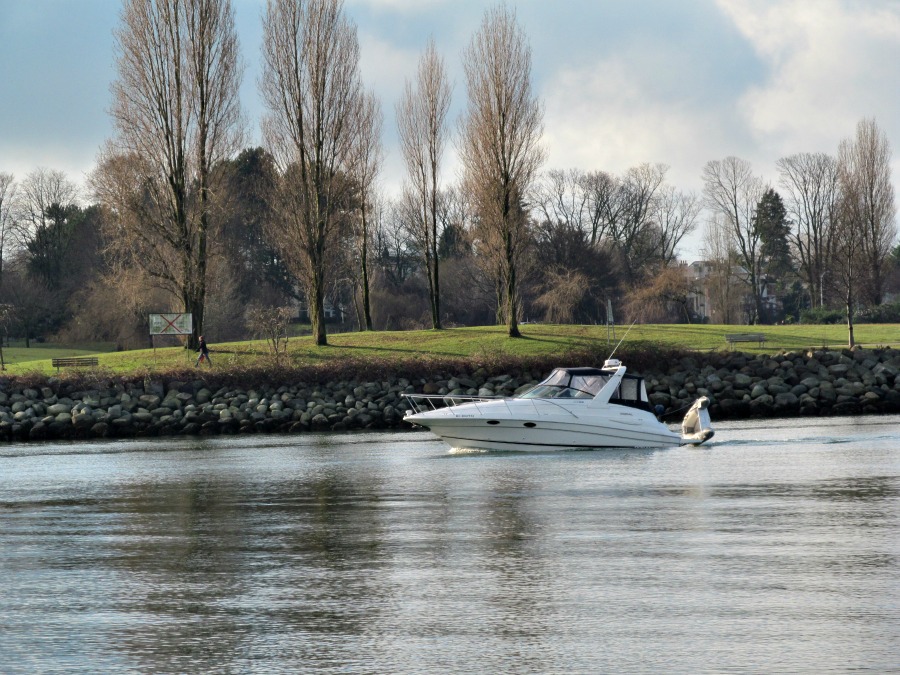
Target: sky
<point x="622" y="82"/>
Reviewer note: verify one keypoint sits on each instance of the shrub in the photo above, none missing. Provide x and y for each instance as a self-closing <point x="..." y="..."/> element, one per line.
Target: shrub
<point x="272" y="324"/>
<point x="886" y="313"/>
<point x="822" y="315"/>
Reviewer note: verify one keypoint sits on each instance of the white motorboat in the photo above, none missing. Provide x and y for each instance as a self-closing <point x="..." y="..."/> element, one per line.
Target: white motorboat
<point x="573" y="408"/>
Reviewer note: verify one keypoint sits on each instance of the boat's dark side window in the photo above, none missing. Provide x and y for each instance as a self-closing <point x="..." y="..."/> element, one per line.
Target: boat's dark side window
<point x="629" y="394"/>
<point x="629" y="390"/>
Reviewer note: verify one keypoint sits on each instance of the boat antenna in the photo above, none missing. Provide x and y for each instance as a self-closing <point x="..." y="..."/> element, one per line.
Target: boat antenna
<point x="622" y="340"/>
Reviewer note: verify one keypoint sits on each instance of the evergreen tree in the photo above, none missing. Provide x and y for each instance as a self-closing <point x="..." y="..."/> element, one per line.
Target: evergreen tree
<point x="774" y="228"/>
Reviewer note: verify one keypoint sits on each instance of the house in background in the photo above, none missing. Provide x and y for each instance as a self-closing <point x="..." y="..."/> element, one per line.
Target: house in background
<point x="720" y="293"/>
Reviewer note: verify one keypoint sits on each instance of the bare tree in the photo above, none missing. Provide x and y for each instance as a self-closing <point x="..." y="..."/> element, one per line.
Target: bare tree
<point x="733" y="192"/>
<point x="867" y="199"/>
<point x="115" y="307"/>
<point x="563" y="291"/>
<point x="272" y="324"/>
<point x="36" y="195"/>
<point x="501" y="132"/>
<point x="31" y="303"/>
<point x="631" y="215"/>
<point x="422" y="123"/>
<point x="662" y="298"/>
<point x="719" y="280"/>
<point x="312" y="88"/>
<point x="849" y="260"/>
<point x="561" y="199"/>
<point x="810" y="181"/>
<point x="637" y="215"/>
<point x="44" y="203"/>
<point x="366" y="163"/>
<point x="7" y="219"/>
<point x="601" y="190"/>
<point x="676" y="215"/>
<point x="176" y="114"/>
<point x="392" y="243"/>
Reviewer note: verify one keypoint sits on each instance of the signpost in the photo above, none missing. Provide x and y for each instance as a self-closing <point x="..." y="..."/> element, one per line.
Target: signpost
<point x="610" y="324"/>
<point x="179" y="323"/>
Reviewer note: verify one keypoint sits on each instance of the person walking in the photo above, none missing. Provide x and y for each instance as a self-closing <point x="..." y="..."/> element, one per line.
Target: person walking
<point x="204" y="353"/>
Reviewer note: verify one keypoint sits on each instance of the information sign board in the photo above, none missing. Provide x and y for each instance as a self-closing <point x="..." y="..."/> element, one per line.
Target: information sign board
<point x="171" y="324"/>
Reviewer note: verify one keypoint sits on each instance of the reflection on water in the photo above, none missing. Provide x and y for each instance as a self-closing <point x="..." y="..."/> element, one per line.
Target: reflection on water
<point x="772" y="549"/>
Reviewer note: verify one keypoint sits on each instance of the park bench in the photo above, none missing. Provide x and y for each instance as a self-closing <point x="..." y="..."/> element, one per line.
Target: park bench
<point x="75" y="362"/>
<point x="745" y="337"/>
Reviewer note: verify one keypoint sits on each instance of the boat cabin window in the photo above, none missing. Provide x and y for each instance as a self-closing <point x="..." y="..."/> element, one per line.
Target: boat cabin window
<point x="563" y="384"/>
<point x="631" y="392"/>
<point x="628" y="390"/>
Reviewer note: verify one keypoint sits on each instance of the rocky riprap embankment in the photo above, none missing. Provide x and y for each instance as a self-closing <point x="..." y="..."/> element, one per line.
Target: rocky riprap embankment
<point x="740" y="386"/>
<point x="822" y="382"/>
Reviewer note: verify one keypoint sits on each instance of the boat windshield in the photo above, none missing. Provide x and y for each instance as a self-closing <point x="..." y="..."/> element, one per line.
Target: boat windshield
<point x="563" y="384"/>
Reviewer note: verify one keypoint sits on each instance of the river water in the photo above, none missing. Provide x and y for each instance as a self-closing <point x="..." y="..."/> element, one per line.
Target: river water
<point x="775" y="548"/>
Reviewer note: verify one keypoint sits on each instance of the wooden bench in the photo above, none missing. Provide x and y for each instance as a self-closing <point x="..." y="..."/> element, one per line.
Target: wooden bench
<point x="759" y="338"/>
<point x="75" y="362"/>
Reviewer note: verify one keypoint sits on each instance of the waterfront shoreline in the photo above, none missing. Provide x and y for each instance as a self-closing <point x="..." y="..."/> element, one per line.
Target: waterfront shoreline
<point x="739" y="385"/>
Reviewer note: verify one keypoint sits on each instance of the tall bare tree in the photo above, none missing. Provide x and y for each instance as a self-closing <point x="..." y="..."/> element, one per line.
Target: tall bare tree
<point x="365" y="164"/>
<point x="176" y="114"/>
<point x="867" y="198"/>
<point x="810" y="182"/>
<point x="733" y="192"/>
<point x="7" y="219"/>
<point x="501" y="132"/>
<point x="311" y="86"/>
<point x="422" y="123"/>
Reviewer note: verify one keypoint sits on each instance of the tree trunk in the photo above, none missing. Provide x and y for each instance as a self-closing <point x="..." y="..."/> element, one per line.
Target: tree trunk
<point x="758" y="309"/>
<point x="850" y="339"/>
<point x="316" y="302"/>
<point x="512" y="325"/>
<point x="435" y="296"/>
<point x="364" y="258"/>
<point x="200" y="283"/>
<point x="435" y="286"/>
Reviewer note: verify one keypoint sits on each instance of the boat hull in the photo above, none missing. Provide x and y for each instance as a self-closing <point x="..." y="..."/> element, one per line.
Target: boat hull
<point x="498" y="427"/>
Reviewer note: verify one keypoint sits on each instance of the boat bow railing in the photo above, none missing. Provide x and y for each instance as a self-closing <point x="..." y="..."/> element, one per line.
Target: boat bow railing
<point x="427" y="402"/>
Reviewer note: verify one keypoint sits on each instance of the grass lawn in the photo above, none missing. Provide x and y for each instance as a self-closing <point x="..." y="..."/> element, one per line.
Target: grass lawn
<point x="17" y="357"/>
<point x="484" y="341"/>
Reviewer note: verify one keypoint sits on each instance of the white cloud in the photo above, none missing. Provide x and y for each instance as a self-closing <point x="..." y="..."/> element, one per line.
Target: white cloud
<point x="607" y="116"/>
<point x="830" y="64"/>
<point x="385" y="65"/>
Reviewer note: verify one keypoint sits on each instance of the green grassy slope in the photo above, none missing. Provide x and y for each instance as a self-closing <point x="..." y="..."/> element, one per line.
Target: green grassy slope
<point x="483" y="342"/>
